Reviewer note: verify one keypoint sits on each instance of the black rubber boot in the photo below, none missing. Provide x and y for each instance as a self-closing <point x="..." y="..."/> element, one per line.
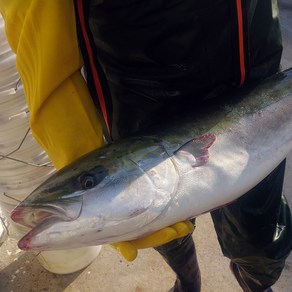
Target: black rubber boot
<point x="247" y="283"/>
<point x="255" y="233"/>
<point x="180" y="255"/>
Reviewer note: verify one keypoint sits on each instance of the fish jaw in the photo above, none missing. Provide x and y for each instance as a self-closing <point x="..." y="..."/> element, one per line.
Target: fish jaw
<point x="40" y="217"/>
<point x="53" y="233"/>
<point x="32" y="240"/>
<point x="42" y="220"/>
<point x="32" y="214"/>
<point x="49" y="222"/>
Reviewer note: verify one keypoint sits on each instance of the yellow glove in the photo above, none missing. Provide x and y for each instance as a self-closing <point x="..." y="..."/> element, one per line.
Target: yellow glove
<point x="129" y="249"/>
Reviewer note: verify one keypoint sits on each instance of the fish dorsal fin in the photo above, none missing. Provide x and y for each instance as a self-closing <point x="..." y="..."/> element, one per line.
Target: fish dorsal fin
<point x="198" y="148"/>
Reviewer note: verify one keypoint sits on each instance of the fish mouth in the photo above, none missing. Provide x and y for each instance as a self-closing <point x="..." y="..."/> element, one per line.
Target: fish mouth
<point x="38" y="220"/>
<point x="31" y="214"/>
<point x="31" y="217"/>
<point x="39" y="217"/>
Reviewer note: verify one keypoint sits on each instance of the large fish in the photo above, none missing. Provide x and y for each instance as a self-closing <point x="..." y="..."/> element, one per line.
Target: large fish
<point x="135" y="186"/>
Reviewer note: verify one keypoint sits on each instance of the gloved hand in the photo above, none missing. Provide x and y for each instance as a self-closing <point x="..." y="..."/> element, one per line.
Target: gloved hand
<point x="129" y="249"/>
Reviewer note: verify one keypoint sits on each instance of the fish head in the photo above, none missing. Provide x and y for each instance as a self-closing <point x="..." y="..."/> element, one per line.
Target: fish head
<point x="58" y="201"/>
<point x="105" y="195"/>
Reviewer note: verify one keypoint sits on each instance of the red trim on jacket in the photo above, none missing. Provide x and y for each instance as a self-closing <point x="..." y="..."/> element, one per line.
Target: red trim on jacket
<point x="96" y="79"/>
<point x="240" y="42"/>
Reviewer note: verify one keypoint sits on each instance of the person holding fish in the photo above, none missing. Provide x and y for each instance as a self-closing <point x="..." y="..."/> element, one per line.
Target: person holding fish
<point x="144" y="62"/>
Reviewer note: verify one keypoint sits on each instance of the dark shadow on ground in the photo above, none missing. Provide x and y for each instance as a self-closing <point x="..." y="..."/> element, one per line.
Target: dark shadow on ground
<point x="24" y="273"/>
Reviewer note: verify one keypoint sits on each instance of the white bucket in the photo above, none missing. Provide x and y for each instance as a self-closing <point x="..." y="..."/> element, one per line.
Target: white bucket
<point x="68" y="261"/>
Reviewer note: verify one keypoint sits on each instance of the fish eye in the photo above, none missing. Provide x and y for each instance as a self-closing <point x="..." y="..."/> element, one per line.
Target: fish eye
<point x="87" y="181"/>
<point x="90" y="178"/>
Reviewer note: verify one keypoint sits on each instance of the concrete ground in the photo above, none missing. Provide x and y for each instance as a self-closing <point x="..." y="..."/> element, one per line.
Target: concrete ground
<point x="21" y="271"/>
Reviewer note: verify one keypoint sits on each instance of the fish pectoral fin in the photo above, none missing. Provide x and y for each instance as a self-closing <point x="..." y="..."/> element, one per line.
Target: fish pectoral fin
<point x="196" y="151"/>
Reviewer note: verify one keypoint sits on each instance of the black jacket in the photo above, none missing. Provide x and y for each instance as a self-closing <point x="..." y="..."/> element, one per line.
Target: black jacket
<point x="147" y="53"/>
